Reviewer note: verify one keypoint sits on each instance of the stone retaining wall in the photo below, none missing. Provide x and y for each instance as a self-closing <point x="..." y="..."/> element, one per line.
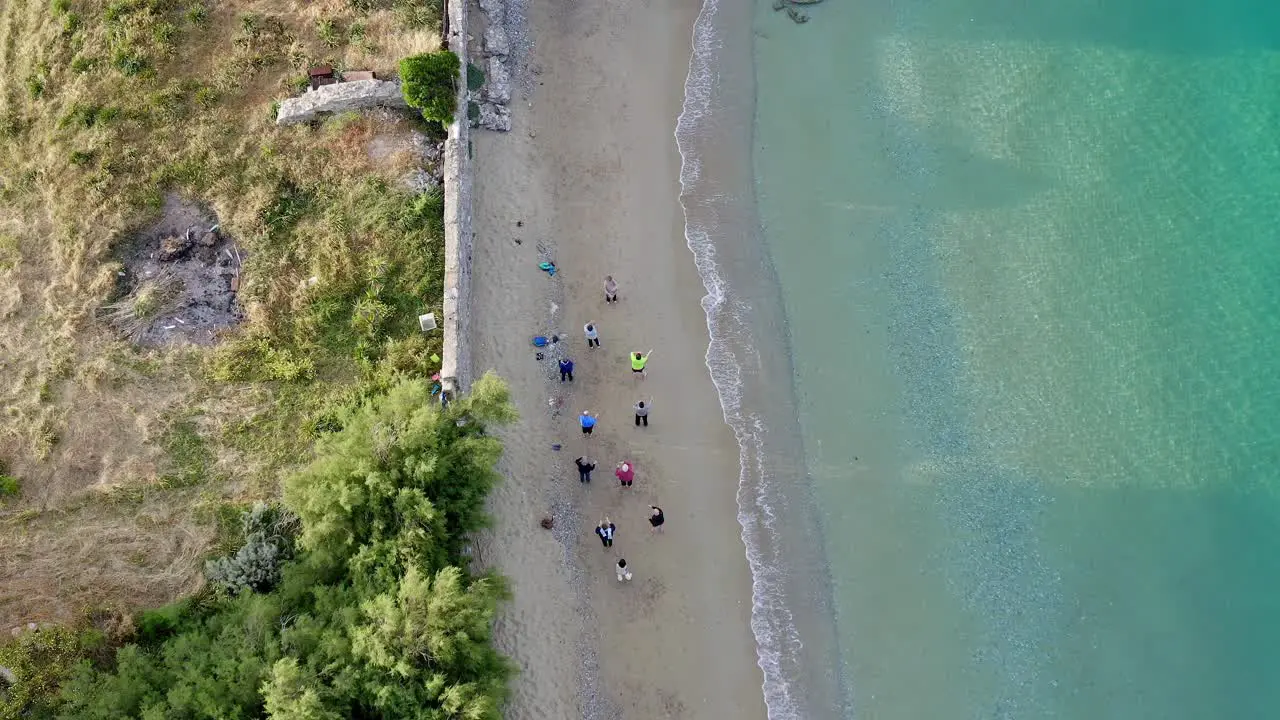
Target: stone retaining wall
<point x="455" y="369"/>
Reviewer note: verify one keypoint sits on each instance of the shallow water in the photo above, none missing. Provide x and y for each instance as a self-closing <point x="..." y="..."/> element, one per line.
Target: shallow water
<point x="1026" y="261"/>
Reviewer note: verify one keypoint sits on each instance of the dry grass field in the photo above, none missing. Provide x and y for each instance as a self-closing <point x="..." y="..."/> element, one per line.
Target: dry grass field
<point x="129" y="457"/>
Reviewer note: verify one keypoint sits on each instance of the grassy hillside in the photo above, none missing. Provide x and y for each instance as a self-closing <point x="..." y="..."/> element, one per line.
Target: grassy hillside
<point x="125" y="459"/>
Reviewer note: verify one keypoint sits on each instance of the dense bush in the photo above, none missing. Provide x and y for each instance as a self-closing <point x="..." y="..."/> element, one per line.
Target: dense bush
<point x="374" y="618"/>
<point x="39" y="660"/>
<point x="430" y="83"/>
<point x="268" y="544"/>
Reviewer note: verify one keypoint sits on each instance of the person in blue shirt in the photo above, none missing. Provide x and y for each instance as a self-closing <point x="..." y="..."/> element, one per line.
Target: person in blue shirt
<point x="566" y="370"/>
<point x="588" y="421"/>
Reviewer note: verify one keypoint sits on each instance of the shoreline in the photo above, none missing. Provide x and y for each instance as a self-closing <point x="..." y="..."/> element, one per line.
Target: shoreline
<point x="589" y="178"/>
<point x="749" y="350"/>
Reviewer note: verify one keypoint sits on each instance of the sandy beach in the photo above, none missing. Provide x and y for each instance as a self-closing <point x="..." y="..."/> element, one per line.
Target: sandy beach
<point x="588" y="178"/>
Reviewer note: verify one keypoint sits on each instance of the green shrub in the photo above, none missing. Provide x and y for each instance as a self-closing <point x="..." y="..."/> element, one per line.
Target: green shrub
<point x="130" y="62"/>
<point x="156" y="625"/>
<point x="368" y="316"/>
<point x="256" y="359"/>
<point x="70" y="24"/>
<point x="81" y="157"/>
<point x="329" y="32"/>
<point x="164" y="34"/>
<point x="288" y="207"/>
<point x="170" y="104"/>
<point x="268" y="543"/>
<point x="198" y="14"/>
<point x="251" y="25"/>
<point x="35" y="86"/>
<point x="206" y="97"/>
<point x="83" y="63"/>
<point x="475" y="77"/>
<point x="40" y="660"/>
<point x="79" y="114"/>
<point x="9" y="486"/>
<point x="420" y="13"/>
<point x="88" y="116"/>
<point x="118" y="10"/>
<point x="60" y="7"/>
<point x="429" y="83"/>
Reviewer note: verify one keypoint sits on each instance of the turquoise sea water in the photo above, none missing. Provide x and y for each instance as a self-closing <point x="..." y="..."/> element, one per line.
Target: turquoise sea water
<point x="1029" y="262"/>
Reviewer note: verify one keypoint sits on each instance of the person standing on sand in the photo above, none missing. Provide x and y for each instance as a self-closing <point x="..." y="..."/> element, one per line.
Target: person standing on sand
<point x="610" y="289"/>
<point x="626" y="473"/>
<point x="656" y="518"/>
<point x="585" y="466"/>
<point x="638" y="361"/>
<point x="623" y="572"/>
<point x="605" y="530"/>
<point x="588" y="421"/>
<point x="593" y="335"/>
<point x="566" y="369"/>
<point x="642" y="413"/>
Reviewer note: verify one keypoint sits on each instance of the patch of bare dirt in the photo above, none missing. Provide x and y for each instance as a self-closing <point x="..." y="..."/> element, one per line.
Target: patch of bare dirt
<point x="180" y="279"/>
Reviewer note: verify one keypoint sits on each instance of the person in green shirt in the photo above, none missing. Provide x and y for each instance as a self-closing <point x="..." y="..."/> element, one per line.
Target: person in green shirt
<point x="638" y="361"/>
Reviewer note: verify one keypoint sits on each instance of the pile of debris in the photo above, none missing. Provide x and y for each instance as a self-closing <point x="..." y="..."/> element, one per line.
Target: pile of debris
<point x="179" y="281"/>
<point x="178" y="247"/>
<point x="431" y="174"/>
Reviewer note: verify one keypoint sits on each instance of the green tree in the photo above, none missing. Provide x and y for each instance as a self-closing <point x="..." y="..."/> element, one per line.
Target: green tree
<point x="430" y="83"/>
<point x="38" y="661"/>
<point x="394" y="452"/>
<point x="431" y="638"/>
<point x="291" y="694"/>
<point x="441" y="623"/>
<point x="134" y="689"/>
<point x="373" y="618"/>
<point x="212" y="666"/>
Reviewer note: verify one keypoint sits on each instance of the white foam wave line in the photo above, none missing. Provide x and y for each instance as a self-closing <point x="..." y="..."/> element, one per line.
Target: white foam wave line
<point x="777" y="639"/>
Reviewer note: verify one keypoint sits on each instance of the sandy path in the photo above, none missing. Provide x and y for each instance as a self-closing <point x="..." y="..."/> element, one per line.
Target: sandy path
<point x="591" y="171"/>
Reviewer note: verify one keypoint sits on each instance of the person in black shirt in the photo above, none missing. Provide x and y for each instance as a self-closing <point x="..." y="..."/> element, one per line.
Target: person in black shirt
<point x="605" y="530"/>
<point x="656" y="518"/>
<point x="585" y="466"/>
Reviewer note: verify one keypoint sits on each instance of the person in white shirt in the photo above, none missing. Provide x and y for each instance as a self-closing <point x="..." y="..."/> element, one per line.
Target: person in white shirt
<point x="593" y="335"/>
<point x="623" y="572"/>
<point x="610" y="289"/>
<point x="642" y="413"/>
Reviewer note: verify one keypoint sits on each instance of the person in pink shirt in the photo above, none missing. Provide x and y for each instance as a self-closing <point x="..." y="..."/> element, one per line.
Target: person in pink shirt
<point x="626" y="473"/>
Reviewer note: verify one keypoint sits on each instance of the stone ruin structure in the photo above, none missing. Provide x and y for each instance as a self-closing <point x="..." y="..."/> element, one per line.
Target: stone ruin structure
<point x="340" y="97"/>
